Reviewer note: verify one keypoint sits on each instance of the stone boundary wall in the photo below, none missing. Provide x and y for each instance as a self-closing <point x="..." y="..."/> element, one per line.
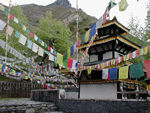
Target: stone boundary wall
<point x="103" y="106"/>
<point x="17" y="89"/>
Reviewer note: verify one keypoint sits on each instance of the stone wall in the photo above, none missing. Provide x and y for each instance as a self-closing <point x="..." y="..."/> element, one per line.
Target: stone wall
<point x="45" y="95"/>
<point x="101" y="106"/>
<point x="17" y="89"/>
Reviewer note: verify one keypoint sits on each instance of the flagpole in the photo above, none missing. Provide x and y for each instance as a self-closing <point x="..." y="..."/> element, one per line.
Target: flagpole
<point x="77" y="29"/>
<point x="6" y="28"/>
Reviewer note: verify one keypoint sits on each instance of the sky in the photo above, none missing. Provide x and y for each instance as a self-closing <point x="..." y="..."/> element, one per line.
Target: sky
<point x="96" y="8"/>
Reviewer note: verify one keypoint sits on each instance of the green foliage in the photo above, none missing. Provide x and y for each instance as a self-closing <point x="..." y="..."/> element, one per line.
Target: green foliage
<point x="55" y="33"/>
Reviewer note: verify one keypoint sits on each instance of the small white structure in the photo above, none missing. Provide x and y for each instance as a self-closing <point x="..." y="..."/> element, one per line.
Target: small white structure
<point x="98" y="91"/>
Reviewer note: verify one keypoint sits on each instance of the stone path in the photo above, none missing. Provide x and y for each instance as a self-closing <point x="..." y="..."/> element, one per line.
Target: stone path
<point x="25" y="105"/>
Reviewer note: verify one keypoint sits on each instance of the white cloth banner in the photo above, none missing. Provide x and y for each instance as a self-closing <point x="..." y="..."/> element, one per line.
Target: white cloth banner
<point x="51" y="57"/>
<point x="134" y="54"/>
<point x="9" y="30"/>
<point x="2" y="24"/>
<point x="41" y="51"/>
<point x="52" y="50"/>
<point x="35" y="48"/>
<point x="105" y="73"/>
<point x="22" y="39"/>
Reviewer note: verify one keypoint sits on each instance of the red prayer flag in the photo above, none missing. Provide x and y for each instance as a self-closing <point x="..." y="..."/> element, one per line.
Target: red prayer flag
<point x="147" y="67"/>
<point x="49" y="48"/>
<point x="105" y="16"/>
<point x="79" y="42"/>
<point x="131" y="55"/>
<point x="122" y="59"/>
<point x="11" y="16"/>
<point x="138" y="52"/>
<point x="70" y="62"/>
<point x="31" y="34"/>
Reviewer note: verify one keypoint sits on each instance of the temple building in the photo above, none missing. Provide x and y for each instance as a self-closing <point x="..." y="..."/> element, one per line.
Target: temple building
<point x="109" y="44"/>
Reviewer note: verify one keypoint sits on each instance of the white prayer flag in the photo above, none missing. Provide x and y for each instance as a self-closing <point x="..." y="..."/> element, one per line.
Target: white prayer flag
<point x="35" y="48"/>
<point x="40" y="51"/>
<point x="16" y="20"/>
<point x="9" y="30"/>
<point x="22" y="39"/>
<point x="2" y="8"/>
<point x="105" y="74"/>
<point x="2" y="24"/>
<point x="51" y="57"/>
<point x="35" y="38"/>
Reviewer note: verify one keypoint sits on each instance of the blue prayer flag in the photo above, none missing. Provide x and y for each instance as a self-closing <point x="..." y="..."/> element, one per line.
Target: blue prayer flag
<point x="113" y="73"/>
<point x="72" y="50"/>
<point x="93" y="31"/>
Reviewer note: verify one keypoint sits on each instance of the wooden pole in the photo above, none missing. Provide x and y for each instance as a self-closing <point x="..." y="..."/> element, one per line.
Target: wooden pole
<point x="77" y="32"/>
<point x="6" y="28"/>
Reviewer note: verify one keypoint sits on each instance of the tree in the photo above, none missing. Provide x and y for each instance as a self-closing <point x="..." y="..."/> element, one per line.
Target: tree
<point x="147" y="32"/>
<point x="55" y="33"/>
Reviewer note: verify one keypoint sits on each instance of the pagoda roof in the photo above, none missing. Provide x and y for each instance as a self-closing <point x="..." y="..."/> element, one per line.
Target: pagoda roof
<point x="107" y="39"/>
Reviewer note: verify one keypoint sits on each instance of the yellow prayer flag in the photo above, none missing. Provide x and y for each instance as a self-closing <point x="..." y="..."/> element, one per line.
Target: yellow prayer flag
<point x="26" y="77"/>
<point x="89" y="70"/>
<point x="142" y="51"/>
<point x="68" y="53"/>
<point x="123" y="72"/>
<point x="24" y="28"/>
<point x="60" y="59"/>
<point x="87" y="34"/>
<point x="42" y="43"/>
<point x="146" y="50"/>
<point x="1" y="65"/>
<point x="128" y="57"/>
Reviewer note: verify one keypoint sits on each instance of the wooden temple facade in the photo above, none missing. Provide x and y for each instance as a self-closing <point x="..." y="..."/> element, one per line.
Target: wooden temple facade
<point x="110" y="43"/>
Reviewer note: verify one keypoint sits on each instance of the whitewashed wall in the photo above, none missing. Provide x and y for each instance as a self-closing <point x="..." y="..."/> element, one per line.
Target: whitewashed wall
<point x="98" y="91"/>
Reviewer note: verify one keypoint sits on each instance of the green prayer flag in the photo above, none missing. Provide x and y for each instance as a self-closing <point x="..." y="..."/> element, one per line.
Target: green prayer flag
<point x="17" y="34"/>
<point x="65" y="63"/>
<point x="82" y="39"/>
<point x="45" y="45"/>
<point x="28" y="31"/>
<point x="6" y="12"/>
<point x="136" y="70"/>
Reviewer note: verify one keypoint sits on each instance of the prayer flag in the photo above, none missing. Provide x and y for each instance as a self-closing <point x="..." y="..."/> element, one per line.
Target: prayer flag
<point x="40" y="51"/>
<point x="105" y="16"/>
<point x="28" y="31"/>
<point x="45" y="45"/>
<point x="123" y="72"/>
<point x="42" y="43"/>
<point x="11" y="16"/>
<point x="138" y="52"/>
<point x="99" y="23"/>
<point x="39" y="41"/>
<point x="83" y="39"/>
<point x="51" y="57"/>
<point x="22" y="39"/>
<point x="16" y="20"/>
<point x="79" y="42"/>
<point x="2" y="8"/>
<point x="93" y="31"/>
<point x="60" y="59"/>
<point x="31" y="34"/>
<point x="35" y="37"/>
<point x="17" y="34"/>
<point x="24" y="28"/>
<point x="9" y="30"/>
<point x="146" y="50"/>
<point x="68" y="52"/>
<point x="147" y="67"/>
<point x="136" y="70"/>
<point x="72" y="50"/>
<point x="29" y="44"/>
<point x="2" y="24"/>
<point x="6" y="12"/>
<point x="113" y="73"/>
<point x="105" y="74"/>
<point x="49" y="48"/>
<point x="70" y="62"/>
<point x="123" y="5"/>
<point x="87" y="34"/>
<point x="89" y="70"/>
<point x="35" y="48"/>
